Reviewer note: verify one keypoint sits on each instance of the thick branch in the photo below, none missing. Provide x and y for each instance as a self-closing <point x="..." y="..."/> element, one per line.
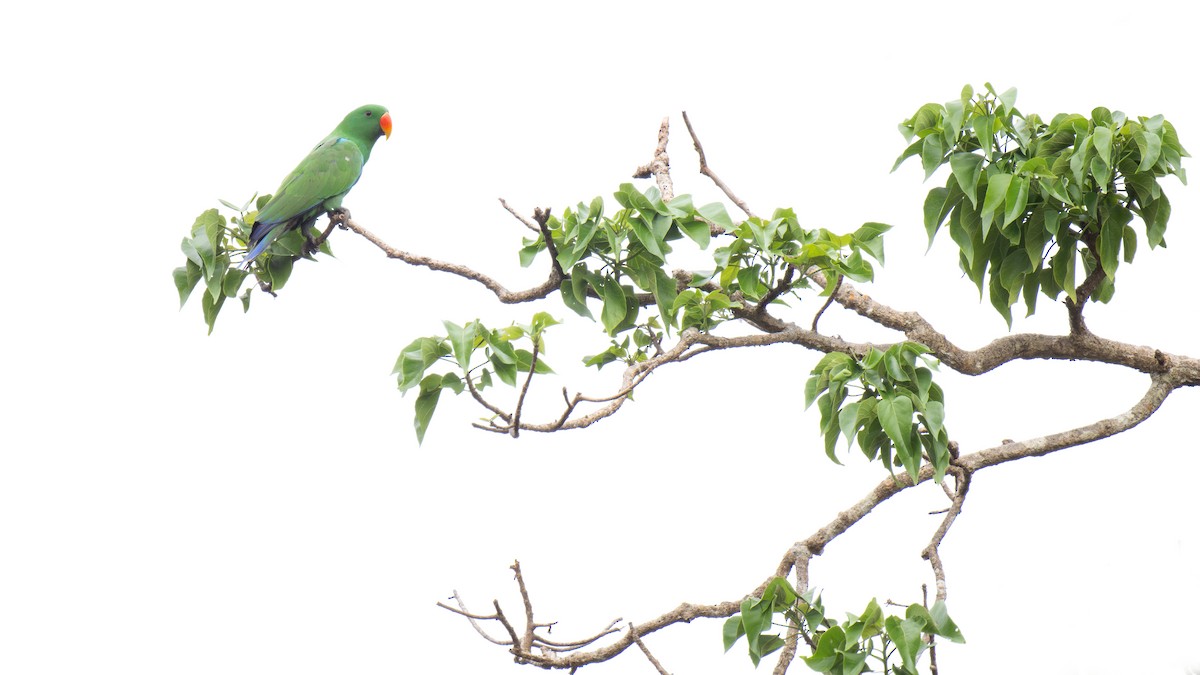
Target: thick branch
<point x="660" y="166"/>
<point x="798" y="556"/>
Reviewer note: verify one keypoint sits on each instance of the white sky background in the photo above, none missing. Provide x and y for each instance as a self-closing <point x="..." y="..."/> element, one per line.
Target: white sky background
<point x="255" y="501"/>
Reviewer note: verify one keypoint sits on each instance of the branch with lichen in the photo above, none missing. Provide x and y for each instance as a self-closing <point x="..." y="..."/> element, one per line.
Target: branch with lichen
<point x="1167" y="373"/>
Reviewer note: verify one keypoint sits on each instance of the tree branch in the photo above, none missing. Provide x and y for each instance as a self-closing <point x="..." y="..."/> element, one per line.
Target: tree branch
<point x="660" y="166"/>
<point x="798" y="556"/>
<point x="962" y="481"/>
<point x="645" y="650"/>
<point x="503" y="294"/>
<point x="707" y="171"/>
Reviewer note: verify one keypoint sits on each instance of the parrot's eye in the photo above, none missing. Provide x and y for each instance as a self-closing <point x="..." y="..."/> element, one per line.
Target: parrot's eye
<point x="368" y="113"/>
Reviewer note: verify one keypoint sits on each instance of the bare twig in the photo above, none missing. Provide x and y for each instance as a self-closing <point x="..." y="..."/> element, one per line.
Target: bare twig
<point x="503" y="294"/>
<point x="524" y="221"/>
<point x="645" y="650"/>
<point x="962" y="480"/>
<point x="576" y="644"/>
<point x="707" y="171"/>
<point x="474" y="619"/>
<point x="483" y="402"/>
<point x="516" y="416"/>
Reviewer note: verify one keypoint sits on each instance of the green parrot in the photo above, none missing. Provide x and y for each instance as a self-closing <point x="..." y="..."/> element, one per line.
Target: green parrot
<point x="322" y="179"/>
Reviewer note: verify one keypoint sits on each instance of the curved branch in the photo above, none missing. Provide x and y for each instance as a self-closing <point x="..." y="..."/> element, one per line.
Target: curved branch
<point x="503" y="294"/>
<point x="800" y="554"/>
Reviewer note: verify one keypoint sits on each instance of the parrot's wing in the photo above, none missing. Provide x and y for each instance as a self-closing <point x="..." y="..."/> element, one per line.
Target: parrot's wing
<point x="330" y="170"/>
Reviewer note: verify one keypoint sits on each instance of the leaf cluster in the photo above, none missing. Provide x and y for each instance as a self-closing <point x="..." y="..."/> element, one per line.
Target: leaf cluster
<point x="1029" y="200"/>
<point x="474" y="353"/>
<point x="898" y="414"/>
<point x="213" y="252"/>
<point x="620" y="259"/>
<point x="839" y="648"/>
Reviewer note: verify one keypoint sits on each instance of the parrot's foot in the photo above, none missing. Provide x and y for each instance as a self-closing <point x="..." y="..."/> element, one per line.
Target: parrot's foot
<point x="339" y="216"/>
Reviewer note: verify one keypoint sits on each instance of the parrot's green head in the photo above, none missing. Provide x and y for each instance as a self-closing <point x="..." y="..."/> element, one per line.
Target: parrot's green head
<point x="367" y="124"/>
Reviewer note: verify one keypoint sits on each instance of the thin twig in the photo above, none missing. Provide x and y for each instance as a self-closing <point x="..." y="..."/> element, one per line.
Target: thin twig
<point x="569" y="646"/>
<point x="707" y="171"/>
<point x="828" y="301"/>
<point x="502" y="294"/>
<point x="474" y="619"/>
<point x="524" y="221"/>
<point x="962" y="481"/>
<point x="516" y="416"/>
<point x="646" y="650"/>
<point x="484" y="402"/>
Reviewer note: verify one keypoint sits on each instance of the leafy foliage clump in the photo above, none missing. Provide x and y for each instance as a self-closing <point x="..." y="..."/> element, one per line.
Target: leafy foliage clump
<point x="213" y="253"/>
<point x="620" y="261"/>
<point x="844" y="648"/>
<point x="1028" y="200"/>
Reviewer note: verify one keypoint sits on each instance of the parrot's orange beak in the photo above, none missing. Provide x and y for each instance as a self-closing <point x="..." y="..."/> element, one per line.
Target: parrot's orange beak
<point x="385" y="123"/>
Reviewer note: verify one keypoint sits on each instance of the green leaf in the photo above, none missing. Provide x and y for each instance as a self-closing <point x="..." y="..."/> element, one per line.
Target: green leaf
<point x="1102" y="141"/>
<point x="716" y="214"/>
<point x="696" y="230"/>
<point x="233" y="281"/>
<point x="825" y="658"/>
<point x="914" y="149"/>
<point x="462" y="341"/>
<point x="933" y="153"/>
<point x="645" y="234"/>
<point x="1013" y="269"/>
<point x="1150" y="146"/>
<point x="731" y="631"/>
<point x="935" y="417"/>
<point x="525" y="359"/>
<point x="1063" y="266"/>
<point x="943" y="625"/>
<point x="211" y="307"/>
<point x="614" y="305"/>
<point x="1156" y="214"/>
<point x="997" y="189"/>
<point x="279" y="270"/>
<point x="427" y="400"/>
<point x="1111" y="232"/>
<point x="895" y="415"/>
<point x="628" y="196"/>
<point x="416" y="358"/>
<point x="528" y="253"/>
<point x="982" y="125"/>
<point x="906" y="636"/>
<point x="935" y="211"/>
<point x="572" y="301"/>
<point x="1008" y="99"/>
<point x="1016" y="199"/>
<point x="186" y="278"/>
<point x="966" y="169"/>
